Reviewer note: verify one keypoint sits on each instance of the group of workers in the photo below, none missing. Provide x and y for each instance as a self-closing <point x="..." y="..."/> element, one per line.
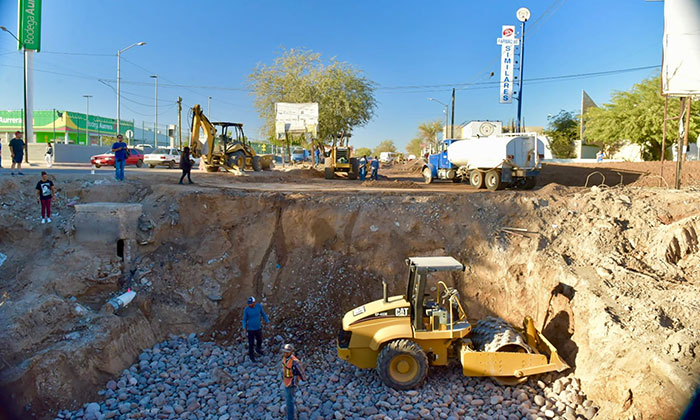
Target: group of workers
<point x="373" y="164"/>
<point x="292" y="370"/>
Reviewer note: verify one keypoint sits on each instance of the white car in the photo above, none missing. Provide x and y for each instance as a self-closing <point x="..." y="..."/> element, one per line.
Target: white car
<point x="165" y="156"/>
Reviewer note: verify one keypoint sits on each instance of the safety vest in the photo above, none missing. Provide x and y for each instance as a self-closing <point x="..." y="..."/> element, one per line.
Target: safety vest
<point x="287" y="370"/>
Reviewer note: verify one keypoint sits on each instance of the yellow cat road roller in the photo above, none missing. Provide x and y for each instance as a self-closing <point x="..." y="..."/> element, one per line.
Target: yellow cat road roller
<point x="401" y="336"/>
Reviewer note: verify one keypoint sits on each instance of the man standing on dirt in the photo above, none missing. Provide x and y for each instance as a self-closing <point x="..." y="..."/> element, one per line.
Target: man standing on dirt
<point x="17" y="152"/>
<point x="363" y="168"/>
<point x="253" y="315"/>
<point x="45" y="191"/>
<point x="375" y="169"/>
<point x="120" y="152"/>
<point x="292" y="372"/>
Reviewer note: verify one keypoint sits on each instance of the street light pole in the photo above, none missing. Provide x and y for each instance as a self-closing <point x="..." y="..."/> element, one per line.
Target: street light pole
<point x="87" y="118"/>
<point x="209" y="107"/>
<point x="523" y="14"/>
<point x="119" y="95"/>
<point x="155" y="132"/>
<point x="446" y="113"/>
<point x="24" y="116"/>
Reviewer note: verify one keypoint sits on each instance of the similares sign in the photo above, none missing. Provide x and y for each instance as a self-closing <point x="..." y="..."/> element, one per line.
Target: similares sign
<point x="507" y="43"/>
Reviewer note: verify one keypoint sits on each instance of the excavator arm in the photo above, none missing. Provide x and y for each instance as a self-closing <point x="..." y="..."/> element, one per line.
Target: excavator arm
<point x="200" y="121"/>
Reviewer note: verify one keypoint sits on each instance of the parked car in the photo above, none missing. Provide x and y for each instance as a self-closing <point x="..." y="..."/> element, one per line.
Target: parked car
<point x="107" y="159"/>
<point x="145" y="148"/>
<point x="165" y="156"/>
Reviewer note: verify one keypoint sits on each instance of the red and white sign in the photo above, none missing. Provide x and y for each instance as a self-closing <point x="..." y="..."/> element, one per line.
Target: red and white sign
<point x="507" y="43"/>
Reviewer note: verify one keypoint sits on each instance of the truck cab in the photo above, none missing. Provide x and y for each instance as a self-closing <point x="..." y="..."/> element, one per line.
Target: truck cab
<point x="439" y="166"/>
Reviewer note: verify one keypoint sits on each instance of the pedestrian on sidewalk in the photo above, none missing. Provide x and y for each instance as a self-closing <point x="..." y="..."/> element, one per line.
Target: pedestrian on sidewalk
<point x="45" y="191"/>
<point x="17" y="152"/>
<point x="185" y="164"/>
<point x="375" y="169"/>
<point x="120" y="153"/>
<point x="253" y="315"/>
<point x="48" y="156"/>
<point x="292" y="372"/>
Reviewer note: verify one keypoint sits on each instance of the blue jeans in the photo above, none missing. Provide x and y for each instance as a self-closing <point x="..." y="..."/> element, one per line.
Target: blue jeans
<point x="374" y="174"/>
<point x="119" y="169"/>
<point x="289" y="392"/>
<point x="363" y="173"/>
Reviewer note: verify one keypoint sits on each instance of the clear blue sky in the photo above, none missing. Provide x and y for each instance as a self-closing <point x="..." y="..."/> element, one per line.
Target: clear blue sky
<point x="396" y="43"/>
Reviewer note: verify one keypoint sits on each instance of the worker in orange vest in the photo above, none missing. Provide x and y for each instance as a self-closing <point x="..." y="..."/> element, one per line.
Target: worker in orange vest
<point x="292" y="371"/>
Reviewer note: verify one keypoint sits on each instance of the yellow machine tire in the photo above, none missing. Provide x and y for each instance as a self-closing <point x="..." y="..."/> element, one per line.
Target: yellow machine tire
<point x="402" y="364"/>
<point x="328" y="173"/>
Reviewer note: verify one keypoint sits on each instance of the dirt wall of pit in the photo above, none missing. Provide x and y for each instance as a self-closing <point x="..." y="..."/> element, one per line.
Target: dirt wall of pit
<point x="311" y="257"/>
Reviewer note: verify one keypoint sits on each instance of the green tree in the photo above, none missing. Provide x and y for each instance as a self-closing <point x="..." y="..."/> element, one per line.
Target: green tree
<point x="562" y="130"/>
<point x="414" y="147"/>
<point x="427" y="133"/>
<point x="637" y="115"/>
<point x="344" y="95"/>
<point x="385" y="146"/>
<point x="363" y="151"/>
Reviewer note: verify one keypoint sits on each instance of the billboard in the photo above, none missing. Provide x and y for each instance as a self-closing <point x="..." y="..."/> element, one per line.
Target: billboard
<point x="507" y="43"/>
<point x="680" y="72"/>
<point x="29" y="24"/>
<point x="296" y="118"/>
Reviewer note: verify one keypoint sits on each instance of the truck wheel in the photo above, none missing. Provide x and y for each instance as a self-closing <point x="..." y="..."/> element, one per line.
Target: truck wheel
<point x="476" y="179"/>
<point x="257" y="164"/>
<point x="402" y="364"/>
<point x="328" y="173"/>
<point x="493" y="180"/>
<point x="427" y="175"/>
<point x="530" y="183"/>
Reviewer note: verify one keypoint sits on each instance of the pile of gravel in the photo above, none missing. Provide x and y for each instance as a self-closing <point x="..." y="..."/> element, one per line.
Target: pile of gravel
<point x="185" y="378"/>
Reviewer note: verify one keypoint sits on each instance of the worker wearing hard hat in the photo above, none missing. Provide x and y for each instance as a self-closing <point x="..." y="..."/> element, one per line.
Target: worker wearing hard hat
<point x="292" y="371"/>
<point x="253" y="315"/>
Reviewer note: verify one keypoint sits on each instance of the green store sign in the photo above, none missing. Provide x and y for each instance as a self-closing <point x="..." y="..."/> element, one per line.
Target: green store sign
<point x="30" y="24"/>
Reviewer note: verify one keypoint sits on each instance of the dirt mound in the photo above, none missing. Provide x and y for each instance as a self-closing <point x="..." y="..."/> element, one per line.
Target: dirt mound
<point x="413" y="167"/>
<point x="389" y="184"/>
<point x="608" y="273"/>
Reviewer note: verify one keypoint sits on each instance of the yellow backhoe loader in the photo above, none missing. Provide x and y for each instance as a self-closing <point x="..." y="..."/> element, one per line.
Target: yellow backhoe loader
<point x="401" y="336"/>
<point x="340" y="158"/>
<point x="226" y="147"/>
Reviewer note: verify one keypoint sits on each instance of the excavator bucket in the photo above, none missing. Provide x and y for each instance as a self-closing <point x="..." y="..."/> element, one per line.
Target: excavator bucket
<point x="507" y="354"/>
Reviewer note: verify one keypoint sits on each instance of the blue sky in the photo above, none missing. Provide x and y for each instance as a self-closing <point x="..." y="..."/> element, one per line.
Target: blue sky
<point x="217" y="44"/>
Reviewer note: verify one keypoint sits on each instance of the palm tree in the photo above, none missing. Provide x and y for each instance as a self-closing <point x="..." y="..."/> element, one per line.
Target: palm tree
<point x="428" y="131"/>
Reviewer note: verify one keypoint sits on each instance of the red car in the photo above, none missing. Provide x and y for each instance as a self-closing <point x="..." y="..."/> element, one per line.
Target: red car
<point x="107" y="159"/>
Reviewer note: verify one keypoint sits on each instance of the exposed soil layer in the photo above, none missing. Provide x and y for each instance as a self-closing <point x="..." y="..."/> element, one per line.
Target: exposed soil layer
<point x="609" y="274"/>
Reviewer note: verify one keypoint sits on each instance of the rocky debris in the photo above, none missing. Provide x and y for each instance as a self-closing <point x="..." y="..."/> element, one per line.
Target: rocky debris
<point x="189" y="379"/>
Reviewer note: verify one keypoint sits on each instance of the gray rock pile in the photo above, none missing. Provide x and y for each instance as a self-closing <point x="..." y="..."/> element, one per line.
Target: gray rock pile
<point x="185" y="378"/>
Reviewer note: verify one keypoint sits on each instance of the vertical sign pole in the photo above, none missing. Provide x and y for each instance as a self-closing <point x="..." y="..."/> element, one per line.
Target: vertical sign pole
<point x="520" y="78"/>
<point x="179" y="122"/>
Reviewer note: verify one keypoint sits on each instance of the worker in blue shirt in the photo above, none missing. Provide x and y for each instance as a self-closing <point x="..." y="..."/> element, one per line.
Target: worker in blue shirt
<point x="363" y="168"/>
<point x="253" y="315"/>
<point x="375" y="168"/>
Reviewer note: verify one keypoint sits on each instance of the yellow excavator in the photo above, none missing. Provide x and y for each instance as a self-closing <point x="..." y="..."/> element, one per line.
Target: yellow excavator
<point x="401" y="336"/>
<point x="226" y="147"/>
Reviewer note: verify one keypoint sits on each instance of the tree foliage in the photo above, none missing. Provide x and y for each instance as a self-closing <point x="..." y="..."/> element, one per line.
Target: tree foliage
<point x="363" y="151"/>
<point x="385" y="146"/>
<point x="414" y="147"/>
<point x="427" y="134"/>
<point x="637" y="115"/>
<point x="562" y="130"/>
<point x="344" y="95"/>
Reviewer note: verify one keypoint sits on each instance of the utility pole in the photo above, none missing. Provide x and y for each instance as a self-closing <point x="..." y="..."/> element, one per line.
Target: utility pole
<point x="452" y="131"/>
<point x="155" y="131"/>
<point x="179" y="122"/>
<point x="523" y="14"/>
<point x="209" y="107"/>
<point x="87" y="118"/>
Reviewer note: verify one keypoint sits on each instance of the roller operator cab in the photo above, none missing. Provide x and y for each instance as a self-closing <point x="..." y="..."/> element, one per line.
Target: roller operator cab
<point x="490" y="162"/>
<point x="401" y="336"/>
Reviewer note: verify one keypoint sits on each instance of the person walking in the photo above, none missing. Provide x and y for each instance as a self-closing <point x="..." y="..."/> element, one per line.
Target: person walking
<point x="45" y="191"/>
<point x="292" y="372"/>
<point x="317" y="155"/>
<point x="17" y="152"/>
<point x="253" y="315"/>
<point x="120" y="153"/>
<point x="363" y="168"/>
<point x="185" y="164"/>
<point x="375" y="169"/>
<point x="48" y="155"/>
